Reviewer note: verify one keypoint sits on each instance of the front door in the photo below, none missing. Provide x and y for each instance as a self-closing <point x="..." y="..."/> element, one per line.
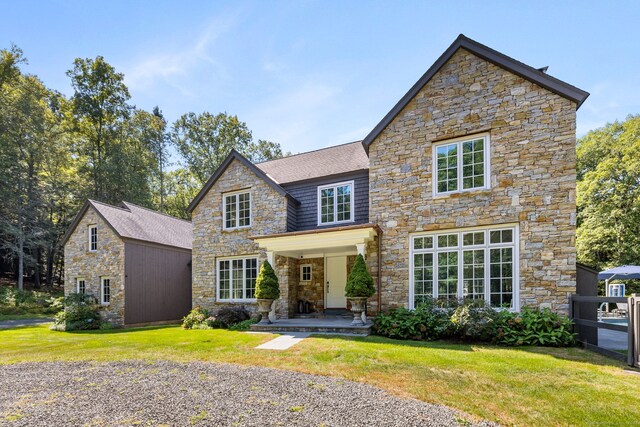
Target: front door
<point x="336" y="280"/>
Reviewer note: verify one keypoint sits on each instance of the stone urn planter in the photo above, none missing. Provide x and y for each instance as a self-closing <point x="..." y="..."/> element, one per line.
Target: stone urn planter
<point x="267" y="291"/>
<point x="358" y="289"/>
<point x="358" y="305"/>
<point x="264" y="308"/>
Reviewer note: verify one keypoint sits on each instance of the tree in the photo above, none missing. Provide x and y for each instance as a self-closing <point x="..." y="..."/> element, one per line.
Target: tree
<point x="205" y="140"/>
<point x="359" y="282"/>
<point x="608" y="196"/>
<point x="267" y="285"/>
<point x="159" y="146"/>
<point x="181" y="188"/>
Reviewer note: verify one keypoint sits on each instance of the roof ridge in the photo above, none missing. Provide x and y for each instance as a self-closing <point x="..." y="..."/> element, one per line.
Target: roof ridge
<point x="108" y="205"/>
<point x="309" y="152"/>
<point x="156" y="212"/>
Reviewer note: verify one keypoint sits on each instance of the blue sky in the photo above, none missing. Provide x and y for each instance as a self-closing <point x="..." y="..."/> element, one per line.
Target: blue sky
<point x="309" y="74"/>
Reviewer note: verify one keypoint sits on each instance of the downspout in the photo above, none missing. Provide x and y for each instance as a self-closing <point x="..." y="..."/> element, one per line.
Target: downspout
<point x="379" y="269"/>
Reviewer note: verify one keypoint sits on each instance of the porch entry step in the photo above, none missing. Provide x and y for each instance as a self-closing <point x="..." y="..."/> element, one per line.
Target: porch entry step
<point x="331" y="325"/>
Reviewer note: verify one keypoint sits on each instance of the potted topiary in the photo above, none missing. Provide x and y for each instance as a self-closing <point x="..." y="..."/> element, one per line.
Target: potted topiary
<point x="359" y="287"/>
<point x="267" y="290"/>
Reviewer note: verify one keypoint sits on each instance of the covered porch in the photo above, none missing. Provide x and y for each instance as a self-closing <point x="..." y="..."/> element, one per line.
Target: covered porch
<point x="312" y="268"/>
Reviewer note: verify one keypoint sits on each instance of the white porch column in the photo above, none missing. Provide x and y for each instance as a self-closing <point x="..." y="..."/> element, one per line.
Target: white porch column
<point x="271" y="258"/>
<point x="360" y="247"/>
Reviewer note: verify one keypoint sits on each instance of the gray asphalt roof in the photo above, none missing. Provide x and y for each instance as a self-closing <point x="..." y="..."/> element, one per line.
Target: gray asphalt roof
<point x="314" y="164"/>
<point x="135" y="222"/>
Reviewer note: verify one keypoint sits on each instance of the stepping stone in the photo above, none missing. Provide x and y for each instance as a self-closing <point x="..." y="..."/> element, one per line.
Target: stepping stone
<point x="284" y="342"/>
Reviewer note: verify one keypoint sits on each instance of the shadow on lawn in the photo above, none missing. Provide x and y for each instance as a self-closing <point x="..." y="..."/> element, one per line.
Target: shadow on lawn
<point x="120" y="330"/>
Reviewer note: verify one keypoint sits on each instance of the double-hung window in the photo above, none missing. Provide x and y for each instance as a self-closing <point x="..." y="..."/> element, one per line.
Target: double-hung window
<point x="237" y="210"/>
<point x="477" y="264"/>
<point x="335" y="203"/>
<point x="461" y="165"/>
<point x="105" y="294"/>
<point x="81" y="286"/>
<point x="237" y="278"/>
<point x="93" y="238"/>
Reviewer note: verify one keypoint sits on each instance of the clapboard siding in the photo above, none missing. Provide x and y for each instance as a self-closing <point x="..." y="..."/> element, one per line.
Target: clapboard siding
<point x="292" y="215"/>
<point x="307" y="194"/>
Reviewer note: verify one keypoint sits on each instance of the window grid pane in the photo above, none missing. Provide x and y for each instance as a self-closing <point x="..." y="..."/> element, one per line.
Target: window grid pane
<point x="447" y="168"/>
<point x="326" y="203"/>
<point x="422" y="277"/>
<point x="82" y="287"/>
<point x="343" y="207"/>
<point x="244" y="210"/>
<point x="237" y="278"/>
<point x="501" y="277"/>
<point x="473" y="274"/>
<point x="106" y="290"/>
<point x="473" y="164"/>
<point x="251" y="273"/>
<point x="230" y="209"/>
<point x="224" y="281"/>
<point x="93" y="238"/>
<point x="448" y="275"/>
<point x="306" y="273"/>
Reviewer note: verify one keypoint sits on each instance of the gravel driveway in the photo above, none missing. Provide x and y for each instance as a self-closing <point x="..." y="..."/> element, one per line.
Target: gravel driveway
<point x="206" y="394"/>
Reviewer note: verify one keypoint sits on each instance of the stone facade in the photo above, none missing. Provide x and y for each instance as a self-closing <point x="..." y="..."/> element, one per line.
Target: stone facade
<point x="107" y="261"/>
<point x="532" y="175"/>
<point x="211" y="241"/>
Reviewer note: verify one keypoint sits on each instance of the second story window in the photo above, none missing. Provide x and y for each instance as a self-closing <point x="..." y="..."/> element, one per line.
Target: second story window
<point x="461" y="165"/>
<point x="335" y="203"/>
<point x="93" y="238"/>
<point x="237" y="210"/>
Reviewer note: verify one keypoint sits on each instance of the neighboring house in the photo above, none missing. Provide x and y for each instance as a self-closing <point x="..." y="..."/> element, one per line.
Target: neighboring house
<point x="136" y="262"/>
<point x="465" y="189"/>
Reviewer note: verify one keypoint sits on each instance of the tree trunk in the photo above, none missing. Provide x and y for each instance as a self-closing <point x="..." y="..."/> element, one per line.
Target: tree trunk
<point x="21" y="263"/>
<point x="51" y="253"/>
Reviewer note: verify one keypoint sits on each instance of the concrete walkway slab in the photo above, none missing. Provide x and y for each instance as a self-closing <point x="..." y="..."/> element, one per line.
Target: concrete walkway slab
<point x="284" y="342"/>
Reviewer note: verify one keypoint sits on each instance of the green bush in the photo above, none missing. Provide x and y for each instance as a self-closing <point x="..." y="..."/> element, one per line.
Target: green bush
<point x="534" y="327"/>
<point x="229" y="316"/>
<point x="474" y="323"/>
<point x="359" y="282"/>
<point x="267" y="286"/>
<point x="14" y="301"/>
<point x="245" y="325"/>
<point x="426" y="323"/>
<point x="80" y="313"/>
<point x="196" y="317"/>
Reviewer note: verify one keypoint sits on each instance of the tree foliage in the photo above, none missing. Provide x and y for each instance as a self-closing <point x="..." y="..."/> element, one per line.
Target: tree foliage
<point x="267" y="285"/>
<point x="608" y="195"/>
<point x="359" y="282"/>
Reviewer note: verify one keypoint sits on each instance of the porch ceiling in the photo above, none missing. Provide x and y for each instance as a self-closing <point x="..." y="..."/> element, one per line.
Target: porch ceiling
<point x="318" y="241"/>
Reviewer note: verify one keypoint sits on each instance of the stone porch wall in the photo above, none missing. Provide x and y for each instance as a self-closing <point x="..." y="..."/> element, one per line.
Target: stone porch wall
<point x="107" y="261"/>
<point x="533" y="175"/>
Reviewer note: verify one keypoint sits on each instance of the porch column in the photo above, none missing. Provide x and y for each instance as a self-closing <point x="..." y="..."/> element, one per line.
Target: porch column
<point x="360" y="247"/>
<point x="271" y="258"/>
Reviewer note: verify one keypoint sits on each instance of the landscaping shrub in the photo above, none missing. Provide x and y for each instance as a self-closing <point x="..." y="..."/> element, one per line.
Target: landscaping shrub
<point x="471" y="322"/>
<point x="267" y="286"/>
<point x="359" y="282"/>
<point x="196" y="317"/>
<point x="245" y="325"/>
<point x="80" y="313"/>
<point x="229" y="316"/>
<point x="426" y="322"/>
<point x="534" y="327"/>
<point x="17" y="302"/>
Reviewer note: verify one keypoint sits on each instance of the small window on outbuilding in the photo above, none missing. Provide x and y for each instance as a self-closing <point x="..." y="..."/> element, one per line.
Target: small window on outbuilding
<point x="106" y="291"/>
<point x="305" y="273"/>
<point x="93" y="238"/>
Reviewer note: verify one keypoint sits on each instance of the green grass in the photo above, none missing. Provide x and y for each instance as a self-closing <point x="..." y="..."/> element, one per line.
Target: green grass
<point x="25" y="316"/>
<point x="525" y="386"/>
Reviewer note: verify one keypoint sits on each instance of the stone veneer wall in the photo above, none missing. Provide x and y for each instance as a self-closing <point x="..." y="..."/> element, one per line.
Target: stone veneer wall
<point x="533" y="175"/>
<point x="210" y="241"/>
<point x="107" y="261"/>
<point x="313" y="290"/>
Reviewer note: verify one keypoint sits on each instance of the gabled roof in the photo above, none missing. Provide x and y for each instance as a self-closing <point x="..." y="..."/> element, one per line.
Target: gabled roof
<point x="134" y="222"/>
<point x="328" y="161"/>
<point x="516" y="67"/>
<point x="234" y="155"/>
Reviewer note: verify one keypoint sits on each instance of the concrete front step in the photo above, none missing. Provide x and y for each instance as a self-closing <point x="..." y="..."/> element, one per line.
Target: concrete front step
<point x="320" y="326"/>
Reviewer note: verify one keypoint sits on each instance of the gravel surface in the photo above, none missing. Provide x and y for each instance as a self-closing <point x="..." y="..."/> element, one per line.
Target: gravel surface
<point x="205" y="394"/>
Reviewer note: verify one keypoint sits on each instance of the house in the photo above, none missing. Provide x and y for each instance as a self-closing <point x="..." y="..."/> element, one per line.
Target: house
<point x="136" y="262"/>
<point x="465" y="189"/>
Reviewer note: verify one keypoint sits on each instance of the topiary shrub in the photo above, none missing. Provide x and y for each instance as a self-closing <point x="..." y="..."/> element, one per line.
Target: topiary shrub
<point x="534" y="327"/>
<point x="80" y="313"/>
<point x="267" y="285"/>
<point x="426" y="322"/>
<point x="229" y="316"/>
<point x="195" y="318"/>
<point x="359" y="282"/>
<point x="474" y="323"/>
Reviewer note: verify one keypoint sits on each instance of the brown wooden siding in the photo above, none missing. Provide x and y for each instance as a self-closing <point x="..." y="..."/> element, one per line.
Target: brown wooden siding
<point x="157" y="283"/>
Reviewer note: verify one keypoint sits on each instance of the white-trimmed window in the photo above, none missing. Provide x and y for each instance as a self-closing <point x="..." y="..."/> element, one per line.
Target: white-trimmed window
<point x="479" y="264"/>
<point x="335" y="203"/>
<point x="305" y="273"/>
<point x="236" y="210"/>
<point x="81" y="286"/>
<point x="105" y="290"/>
<point x="461" y="164"/>
<point x="93" y="238"/>
<point x="237" y="278"/>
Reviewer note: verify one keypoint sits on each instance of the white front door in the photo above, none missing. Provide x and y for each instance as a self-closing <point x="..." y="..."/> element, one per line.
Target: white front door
<point x="336" y="275"/>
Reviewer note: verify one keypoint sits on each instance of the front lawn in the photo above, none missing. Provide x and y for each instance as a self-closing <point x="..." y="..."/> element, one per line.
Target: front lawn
<point x="524" y="386"/>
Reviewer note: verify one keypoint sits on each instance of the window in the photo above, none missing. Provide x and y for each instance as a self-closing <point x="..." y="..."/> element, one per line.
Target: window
<point x="237" y="279"/>
<point x="93" y="238"/>
<point x="81" y="286"/>
<point x="237" y="210"/>
<point x="106" y="291"/>
<point x="335" y="203"/>
<point x="461" y="165"/>
<point x="479" y="264"/>
<point x="305" y="273"/>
